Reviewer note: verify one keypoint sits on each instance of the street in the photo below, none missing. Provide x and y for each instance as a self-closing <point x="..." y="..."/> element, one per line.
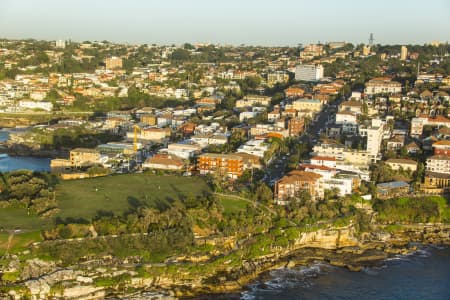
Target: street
<point x="311" y="135"/>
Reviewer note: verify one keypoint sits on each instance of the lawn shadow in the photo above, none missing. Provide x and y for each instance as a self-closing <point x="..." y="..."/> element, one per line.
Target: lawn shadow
<point x="71" y="220"/>
<point x="162" y="205"/>
<point x="101" y="213"/>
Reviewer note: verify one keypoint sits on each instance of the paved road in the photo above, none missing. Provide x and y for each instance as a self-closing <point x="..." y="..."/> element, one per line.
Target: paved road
<point x="277" y="168"/>
<point x="312" y="133"/>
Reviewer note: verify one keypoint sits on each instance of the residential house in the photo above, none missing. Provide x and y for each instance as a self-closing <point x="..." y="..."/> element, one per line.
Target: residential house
<point x="412" y="148"/>
<point x="294" y="92"/>
<point x="402" y="164"/>
<point x="253" y="100"/>
<point x="353" y="106"/>
<point x="164" y="162"/>
<point x="395" y="143"/>
<point x="442" y="147"/>
<point x="274" y="115"/>
<point x="307" y="104"/>
<point x="296" y="181"/>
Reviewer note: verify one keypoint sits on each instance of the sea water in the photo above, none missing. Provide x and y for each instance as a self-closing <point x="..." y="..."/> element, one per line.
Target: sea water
<point x="424" y="274"/>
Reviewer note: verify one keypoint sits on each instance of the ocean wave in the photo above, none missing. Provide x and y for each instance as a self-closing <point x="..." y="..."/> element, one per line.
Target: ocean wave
<point x="398" y="258"/>
<point x="370" y="271"/>
<point x="284" y="278"/>
<point x="247" y="296"/>
<point x="425" y="252"/>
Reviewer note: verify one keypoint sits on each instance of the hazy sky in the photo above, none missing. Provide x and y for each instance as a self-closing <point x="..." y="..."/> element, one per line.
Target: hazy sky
<point x="250" y="22"/>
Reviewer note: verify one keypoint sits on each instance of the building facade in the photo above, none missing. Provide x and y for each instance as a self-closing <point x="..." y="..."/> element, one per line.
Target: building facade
<point x="229" y="165"/>
<point x="113" y="63"/>
<point x="296" y="181"/>
<point x="84" y="157"/>
<point x="382" y="85"/>
<point x="308" y="72"/>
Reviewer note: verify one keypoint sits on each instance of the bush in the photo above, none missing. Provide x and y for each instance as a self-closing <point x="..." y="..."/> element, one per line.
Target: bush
<point x="418" y="210"/>
<point x="65" y="232"/>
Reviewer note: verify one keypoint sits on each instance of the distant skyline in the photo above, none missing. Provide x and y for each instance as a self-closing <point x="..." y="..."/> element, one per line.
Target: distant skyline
<point x="250" y="22"/>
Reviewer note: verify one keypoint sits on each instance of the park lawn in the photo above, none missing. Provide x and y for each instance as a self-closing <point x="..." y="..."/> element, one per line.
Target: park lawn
<point x="87" y="198"/>
<point x="19" y="241"/>
<point x="17" y="218"/>
<point x="232" y="205"/>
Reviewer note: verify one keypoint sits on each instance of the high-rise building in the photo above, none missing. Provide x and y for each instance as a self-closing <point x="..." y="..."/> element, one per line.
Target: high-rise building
<point x="403" y="53"/>
<point x="374" y="135"/>
<point x="113" y="62"/>
<point x="309" y="72"/>
<point x="60" y="44"/>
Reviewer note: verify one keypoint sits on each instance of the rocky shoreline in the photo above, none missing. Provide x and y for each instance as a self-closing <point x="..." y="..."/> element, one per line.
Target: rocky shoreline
<point x="337" y="246"/>
<point x="24" y="150"/>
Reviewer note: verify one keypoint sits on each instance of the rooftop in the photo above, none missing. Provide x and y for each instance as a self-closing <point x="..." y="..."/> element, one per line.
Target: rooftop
<point x="401" y="161"/>
<point x="393" y="185"/>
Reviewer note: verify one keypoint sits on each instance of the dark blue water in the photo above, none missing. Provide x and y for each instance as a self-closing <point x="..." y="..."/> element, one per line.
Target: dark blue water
<point x="4" y="135"/>
<point x="424" y="274"/>
<point x="10" y="163"/>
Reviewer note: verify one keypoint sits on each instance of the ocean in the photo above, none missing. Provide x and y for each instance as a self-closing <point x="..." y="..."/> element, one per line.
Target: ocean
<point x="10" y="163"/>
<point x="423" y="274"/>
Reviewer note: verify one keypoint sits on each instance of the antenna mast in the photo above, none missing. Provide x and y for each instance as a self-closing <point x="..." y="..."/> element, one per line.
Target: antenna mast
<point x="371" y="39"/>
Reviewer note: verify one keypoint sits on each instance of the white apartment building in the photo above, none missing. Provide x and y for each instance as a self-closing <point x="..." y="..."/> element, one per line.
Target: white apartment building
<point x="309" y="72"/>
<point x="343" y="185"/>
<point x="348" y="120"/>
<point x="254" y="147"/>
<point x="438" y="164"/>
<point x="26" y="104"/>
<point x="60" y="44"/>
<point x="382" y="85"/>
<point x="185" y="151"/>
<point x="356" y="158"/>
<point x="374" y="134"/>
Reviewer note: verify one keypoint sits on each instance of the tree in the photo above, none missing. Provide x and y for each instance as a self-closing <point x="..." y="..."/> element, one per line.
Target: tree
<point x="331" y="194"/>
<point x="188" y="46"/>
<point x="263" y="194"/>
<point x="65" y="232"/>
<point x="180" y="55"/>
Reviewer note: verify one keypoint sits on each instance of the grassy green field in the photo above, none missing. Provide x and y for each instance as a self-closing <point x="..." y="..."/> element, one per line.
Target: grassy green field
<point x="17" y="218"/>
<point x="232" y="205"/>
<point x="88" y="198"/>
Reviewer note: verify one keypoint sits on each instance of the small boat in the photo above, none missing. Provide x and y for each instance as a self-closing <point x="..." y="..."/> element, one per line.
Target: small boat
<point x="3" y="155"/>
